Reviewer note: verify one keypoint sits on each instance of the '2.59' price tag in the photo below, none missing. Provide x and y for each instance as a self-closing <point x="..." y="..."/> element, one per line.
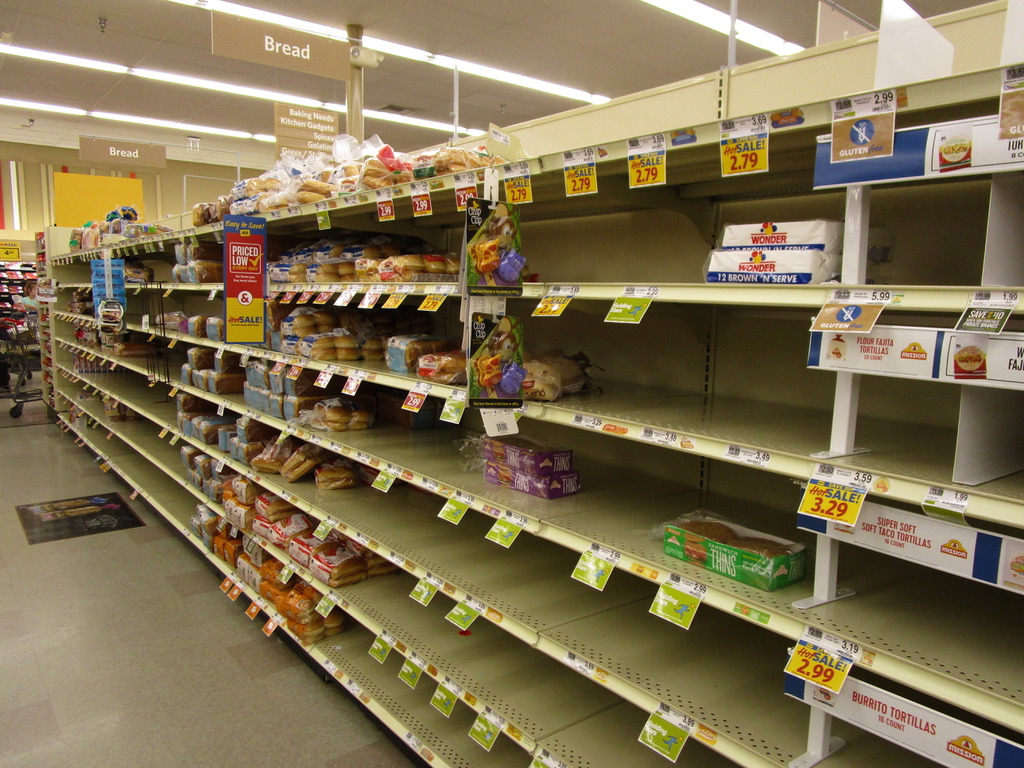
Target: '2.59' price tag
<point x="836" y="493"/>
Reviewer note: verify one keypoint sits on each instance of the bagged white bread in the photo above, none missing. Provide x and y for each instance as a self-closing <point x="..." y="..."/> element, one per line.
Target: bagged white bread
<point x="819" y="234"/>
<point x="757" y="265"/>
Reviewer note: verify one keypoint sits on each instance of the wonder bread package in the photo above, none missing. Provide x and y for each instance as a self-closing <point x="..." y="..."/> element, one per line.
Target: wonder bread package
<point x="793" y="253"/>
<point x="494" y="262"/>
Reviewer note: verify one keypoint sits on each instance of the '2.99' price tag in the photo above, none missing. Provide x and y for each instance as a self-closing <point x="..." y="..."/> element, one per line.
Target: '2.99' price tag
<point x="465" y="188"/>
<point x="421" y="205"/>
<point x="385" y="205"/>
<point x="823" y="659"/>
<point x="836" y="493"/>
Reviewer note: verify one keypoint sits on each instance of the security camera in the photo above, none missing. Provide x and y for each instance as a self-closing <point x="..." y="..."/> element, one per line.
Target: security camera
<point x="364" y="57"/>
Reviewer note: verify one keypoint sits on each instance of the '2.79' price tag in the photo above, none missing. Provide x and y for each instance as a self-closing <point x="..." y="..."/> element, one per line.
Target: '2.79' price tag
<point x="836" y="493"/>
<point x="646" y="160"/>
<point x="580" y="172"/>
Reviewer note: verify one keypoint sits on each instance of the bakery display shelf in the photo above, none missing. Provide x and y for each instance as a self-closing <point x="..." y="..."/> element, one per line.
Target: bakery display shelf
<point x="368" y="370"/>
<point x="356" y="286"/>
<point x="166" y="496"/>
<point x="901" y="634"/>
<point x="114" y="361"/>
<point x="76" y="319"/>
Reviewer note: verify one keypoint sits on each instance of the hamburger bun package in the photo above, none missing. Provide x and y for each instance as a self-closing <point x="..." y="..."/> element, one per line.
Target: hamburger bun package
<point x="751" y="557"/>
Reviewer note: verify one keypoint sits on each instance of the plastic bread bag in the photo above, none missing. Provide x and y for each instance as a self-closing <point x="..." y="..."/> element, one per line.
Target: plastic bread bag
<point x="549" y="375"/>
<point x="471" y="449"/>
<point x="303" y="461"/>
<point x="342" y="415"/>
<point x="279" y="272"/>
<point x="326" y="251"/>
<point x="215" y="328"/>
<point x="172" y="321"/>
<point x="443" y="368"/>
<point x="275" y="455"/>
<point x="336" y="474"/>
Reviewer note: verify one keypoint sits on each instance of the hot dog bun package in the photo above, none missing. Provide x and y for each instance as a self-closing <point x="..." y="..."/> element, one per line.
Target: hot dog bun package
<point x="792" y="253"/>
<point x="494" y="262"/>
<point x="749" y="556"/>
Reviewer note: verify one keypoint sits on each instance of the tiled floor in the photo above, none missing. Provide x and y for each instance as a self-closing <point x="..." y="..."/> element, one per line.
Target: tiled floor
<point x="119" y="649"/>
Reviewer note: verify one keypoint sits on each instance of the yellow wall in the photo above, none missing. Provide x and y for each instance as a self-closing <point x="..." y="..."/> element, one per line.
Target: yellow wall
<point x="78" y="198"/>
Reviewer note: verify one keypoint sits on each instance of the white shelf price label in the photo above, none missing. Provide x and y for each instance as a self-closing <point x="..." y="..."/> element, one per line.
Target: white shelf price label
<point x="465" y="188"/>
<point x="486" y="728"/>
<point x="414" y="743"/>
<point x="145" y="322"/>
<point x="586" y="668"/>
<point x="382" y="645"/>
<point x="465" y="613"/>
<point x="355" y="378"/>
<point x="421" y="204"/>
<point x="371" y="297"/>
<point x="748" y="455"/>
<point x="863" y="126"/>
<point x="595" y="566"/>
<point x="666" y="731"/>
<point x="666" y="437"/>
<point x="453" y="511"/>
<point x="641" y="291"/>
<point x="347" y="295"/>
<point x="395" y="558"/>
<point x="862" y="296"/>
<point x="580" y="170"/>
<point x="646" y="160"/>
<point x="445" y="696"/>
<point x="836" y="493"/>
<point x="417" y="397"/>
<point x="518" y="187"/>
<point x="987" y="312"/>
<point x="587" y="422"/>
<point x="412" y="669"/>
<point x="354" y="688"/>
<point x="677" y="600"/>
<point x="823" y="659"/>
<point x="424" y="591"/>
<point x="544" y="759"/>
<point x="325" y="376"/>
<point x="499" y="422"/>
<point x="946" y="504"/>
<point x="454" y="407"/>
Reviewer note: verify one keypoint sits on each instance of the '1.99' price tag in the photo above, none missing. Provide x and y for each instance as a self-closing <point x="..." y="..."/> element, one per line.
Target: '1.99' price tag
<point x="836" y="493"/>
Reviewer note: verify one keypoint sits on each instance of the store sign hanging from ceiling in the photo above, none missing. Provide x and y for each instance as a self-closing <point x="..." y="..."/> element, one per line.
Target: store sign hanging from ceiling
<point x="274" y="46"/>
<point x="93" y="150"/>
<point x="302" y="130"/>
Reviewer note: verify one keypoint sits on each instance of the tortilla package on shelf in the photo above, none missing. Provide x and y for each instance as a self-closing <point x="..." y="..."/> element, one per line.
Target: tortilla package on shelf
<point x="748" y="556"/>
<point x="793" y="253"/>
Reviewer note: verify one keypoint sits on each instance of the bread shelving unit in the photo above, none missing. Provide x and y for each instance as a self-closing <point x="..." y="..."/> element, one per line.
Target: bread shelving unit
<point x="901" y="613"/>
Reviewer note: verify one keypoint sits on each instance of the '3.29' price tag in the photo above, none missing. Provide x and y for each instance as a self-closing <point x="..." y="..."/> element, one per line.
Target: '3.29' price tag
<point x="836" y="493"/>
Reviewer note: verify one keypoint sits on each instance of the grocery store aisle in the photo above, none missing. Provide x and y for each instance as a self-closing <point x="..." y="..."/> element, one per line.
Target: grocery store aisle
<point x="118" y="649"/>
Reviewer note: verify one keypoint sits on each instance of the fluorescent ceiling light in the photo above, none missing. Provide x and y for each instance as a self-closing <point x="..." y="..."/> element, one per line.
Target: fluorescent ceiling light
<point x="397" y="49"/>
<point x="60" y="58"/>
<point x="171" y="124"/>
<point x="41" y="107"/>
<point x="238" y="90"/>
<point x="709" y="17"/>
<point x="220" y="87"/>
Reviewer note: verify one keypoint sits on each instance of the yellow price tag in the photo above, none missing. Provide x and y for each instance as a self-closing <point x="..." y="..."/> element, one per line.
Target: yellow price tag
<point x="647" y="169"/>
<point x="832" y="501"/>
<point x="432" y="302"/>
<point x="519" y="190"/>
<point x="580" y="180"/>
<point x="745" y="154"/>
<point x="394" y="300"/>
<point x="551" y="306"/>
<point x="818" y="666"/>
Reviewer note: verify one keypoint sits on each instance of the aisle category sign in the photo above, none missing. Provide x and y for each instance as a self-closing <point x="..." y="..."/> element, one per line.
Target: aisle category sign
<point x="863" y="126"/>
<point x="245" y="279"/>
<point x="1011" y="104"/>
<point x="743" y="145"/>
<point x="646" y="161"/>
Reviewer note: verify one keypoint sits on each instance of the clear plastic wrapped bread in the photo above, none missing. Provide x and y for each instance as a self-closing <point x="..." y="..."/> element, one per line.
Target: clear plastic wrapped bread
<point x="443" y="368"/>
<point x="337" y="474"/>
<point x="303" y="461"/>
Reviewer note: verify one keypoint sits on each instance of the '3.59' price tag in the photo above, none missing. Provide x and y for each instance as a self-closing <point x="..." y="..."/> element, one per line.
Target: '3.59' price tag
<point x="836" y="493"/>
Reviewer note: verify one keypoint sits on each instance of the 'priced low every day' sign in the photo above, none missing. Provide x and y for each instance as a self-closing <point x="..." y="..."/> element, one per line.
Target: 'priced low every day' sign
<point x="245" y="279"/>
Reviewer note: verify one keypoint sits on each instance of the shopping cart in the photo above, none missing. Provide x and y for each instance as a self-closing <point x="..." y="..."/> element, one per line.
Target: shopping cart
<point x="19" y="351"/>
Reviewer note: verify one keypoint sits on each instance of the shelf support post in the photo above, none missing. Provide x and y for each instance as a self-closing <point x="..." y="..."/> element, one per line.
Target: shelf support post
<point x="820" y="742"/>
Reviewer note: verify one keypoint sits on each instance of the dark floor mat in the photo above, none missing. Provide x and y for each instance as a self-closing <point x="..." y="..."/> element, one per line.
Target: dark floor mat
<point x="81" y="516"/>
